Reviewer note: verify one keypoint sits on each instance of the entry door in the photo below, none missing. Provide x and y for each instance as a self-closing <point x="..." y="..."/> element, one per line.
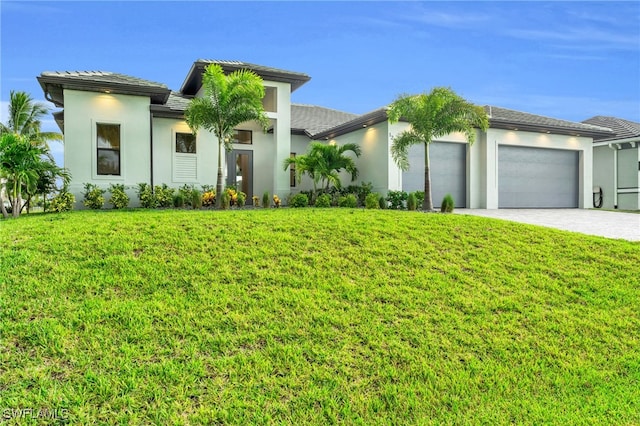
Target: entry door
<point x="240" y="171"/>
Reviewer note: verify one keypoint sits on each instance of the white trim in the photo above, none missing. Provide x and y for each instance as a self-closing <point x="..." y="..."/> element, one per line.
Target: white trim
<point x="617" y="141"/>
<point x="94" y="151"/>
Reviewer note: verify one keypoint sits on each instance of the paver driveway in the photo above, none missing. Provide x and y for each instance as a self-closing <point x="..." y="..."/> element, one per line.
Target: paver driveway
<point x="593" y="222"/>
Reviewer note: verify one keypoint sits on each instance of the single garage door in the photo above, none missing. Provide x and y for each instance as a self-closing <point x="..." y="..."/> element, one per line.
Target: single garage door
<point x="448" y="171"/>
<point x="537" y="178"/>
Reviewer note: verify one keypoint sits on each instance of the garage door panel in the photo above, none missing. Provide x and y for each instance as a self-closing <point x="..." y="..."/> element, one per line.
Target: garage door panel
<point x="537" y="178"/>
<point x="448" y="171"/>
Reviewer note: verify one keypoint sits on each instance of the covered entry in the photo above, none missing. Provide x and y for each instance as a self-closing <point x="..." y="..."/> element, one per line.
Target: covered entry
<point x="537" y="177"/>
<point x="448" y="171"/>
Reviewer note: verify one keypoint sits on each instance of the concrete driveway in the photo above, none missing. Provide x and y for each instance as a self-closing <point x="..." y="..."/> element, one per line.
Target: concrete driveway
<point x="608" y="224"/>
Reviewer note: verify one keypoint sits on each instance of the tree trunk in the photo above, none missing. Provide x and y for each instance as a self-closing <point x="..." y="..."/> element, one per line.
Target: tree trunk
<point x="427" y="204"/>
<point x="2" y="208"/>
<point x="15" y="208"/>
<point x="219" y="183"/>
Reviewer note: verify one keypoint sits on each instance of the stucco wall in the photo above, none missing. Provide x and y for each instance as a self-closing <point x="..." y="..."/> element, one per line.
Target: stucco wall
<point x="374" y="162"/>
<point x="82" y="111"/>
<point x="604" y="173"/>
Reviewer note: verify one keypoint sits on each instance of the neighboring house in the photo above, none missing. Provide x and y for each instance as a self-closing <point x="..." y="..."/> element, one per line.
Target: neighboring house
<point x="122" y="129"/>
<point x="616" y="163"/>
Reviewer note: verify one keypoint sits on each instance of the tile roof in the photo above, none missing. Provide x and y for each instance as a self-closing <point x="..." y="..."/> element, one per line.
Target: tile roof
<point x="312" y="119"/>
<point x="104" y="77"/>
<point x="623" y="129"/>
<point x="255" y="67"/>
<point x="54" y="82"/>
<point x="174" y="107"/>
<point x="508" y="118"/>
<point x="193" y="80"/>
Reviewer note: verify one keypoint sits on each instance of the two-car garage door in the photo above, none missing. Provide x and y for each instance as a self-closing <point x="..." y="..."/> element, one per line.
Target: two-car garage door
<point x="527" y="177"/>
<point x="537" y="177"/>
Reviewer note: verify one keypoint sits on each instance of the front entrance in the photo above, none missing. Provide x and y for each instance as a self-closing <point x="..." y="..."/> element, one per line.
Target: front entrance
<point x="240" y="171"/>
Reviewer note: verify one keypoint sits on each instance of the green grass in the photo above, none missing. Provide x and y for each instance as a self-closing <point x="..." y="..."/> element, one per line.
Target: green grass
<point x="304" y="316"/>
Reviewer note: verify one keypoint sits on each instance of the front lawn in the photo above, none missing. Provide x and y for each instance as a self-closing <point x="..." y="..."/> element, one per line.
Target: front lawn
<point x="316" y="316"/>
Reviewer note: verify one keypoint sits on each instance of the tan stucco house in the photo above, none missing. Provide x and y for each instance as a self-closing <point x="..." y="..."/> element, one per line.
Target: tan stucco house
<point x="123" y="129"/>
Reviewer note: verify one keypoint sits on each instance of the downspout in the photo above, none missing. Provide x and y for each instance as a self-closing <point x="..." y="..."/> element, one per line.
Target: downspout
<point x="151" y="149"/>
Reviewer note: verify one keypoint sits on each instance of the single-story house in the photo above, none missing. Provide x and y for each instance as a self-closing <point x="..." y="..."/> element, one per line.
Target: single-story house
<point x="123" y="129"/>
<point x="616" y="163"/>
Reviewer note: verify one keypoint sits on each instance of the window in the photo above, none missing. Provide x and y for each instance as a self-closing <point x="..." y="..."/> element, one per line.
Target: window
<point x="292" y="171"/>
<point x="108" y="149"/>
<point x="244" y="137"/>
<point x="185" y="143"/>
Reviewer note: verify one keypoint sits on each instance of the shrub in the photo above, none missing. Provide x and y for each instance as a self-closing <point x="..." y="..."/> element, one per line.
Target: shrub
<point x="178" y="200"/>
<point x="256" y="201"/>
<point x="419" y="198"/>
<point x="299" y="200"/>
<point x="383" y="203"/>
<point x="349" y="201"/>
<point x="396" y="199"/>
<point x="225" y="202"/>
<point x="196" y="199"/>
<point x="185" y="190"/>
<point x="63" y="202"/>
<point x="241" y="199"/>
<point x="412" y="202"/>
<point x="164" y="195"/>
<point x="93" y="196"/>
<point x="146" y="196"/>
<point x="371" y="201"/>
<point x="119" y="198"/>
<point x="310" y="195"/>
<point x="447" y="205"/>
<point x="266" y="201"/>
<point x="323" y="200"/>
<point x="276" y="201"/>
<point x="208" y="198"/>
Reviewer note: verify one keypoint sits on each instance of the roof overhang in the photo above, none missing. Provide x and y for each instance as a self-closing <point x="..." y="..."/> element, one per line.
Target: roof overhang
<point x="555" y="129"/>
<point x="54" y="86"/>
<point x="59" y="118"/>
<point x="193" y="81"/>
<point x="363" y="121"/>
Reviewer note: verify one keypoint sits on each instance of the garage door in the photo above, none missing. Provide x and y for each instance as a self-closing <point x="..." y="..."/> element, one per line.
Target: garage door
<point x="448" y="171"/>
<point x="537" y="178"/>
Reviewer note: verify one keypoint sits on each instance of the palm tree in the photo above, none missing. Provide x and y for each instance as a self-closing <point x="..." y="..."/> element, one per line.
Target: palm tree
<point x="24" y="123"/>
<point x="25" y="117"/>
<point x="228" y="101"/>
<point x="20" y="162"/>
<point x="323" y="163"/>
<point x="432" y="115"/>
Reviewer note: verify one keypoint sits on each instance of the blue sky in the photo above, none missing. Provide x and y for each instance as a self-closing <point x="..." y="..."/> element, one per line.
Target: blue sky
<point x="569" y="60"/>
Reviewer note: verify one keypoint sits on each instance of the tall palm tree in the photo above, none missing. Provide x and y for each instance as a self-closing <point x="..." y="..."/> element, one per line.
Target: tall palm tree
<point x="323" y="163"/>
<point x="432" y="115"/>
<point x="228" y="101"/>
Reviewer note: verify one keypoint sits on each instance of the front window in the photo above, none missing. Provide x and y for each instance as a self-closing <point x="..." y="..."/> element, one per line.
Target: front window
<point x="108" y="154"/>
<point x="244" y="137"/>
<point x="185" y="143"/>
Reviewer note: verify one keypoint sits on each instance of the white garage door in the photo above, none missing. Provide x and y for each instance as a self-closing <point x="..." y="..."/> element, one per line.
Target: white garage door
<point x="448" y="171"/>
<point x="537" y="178"/>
